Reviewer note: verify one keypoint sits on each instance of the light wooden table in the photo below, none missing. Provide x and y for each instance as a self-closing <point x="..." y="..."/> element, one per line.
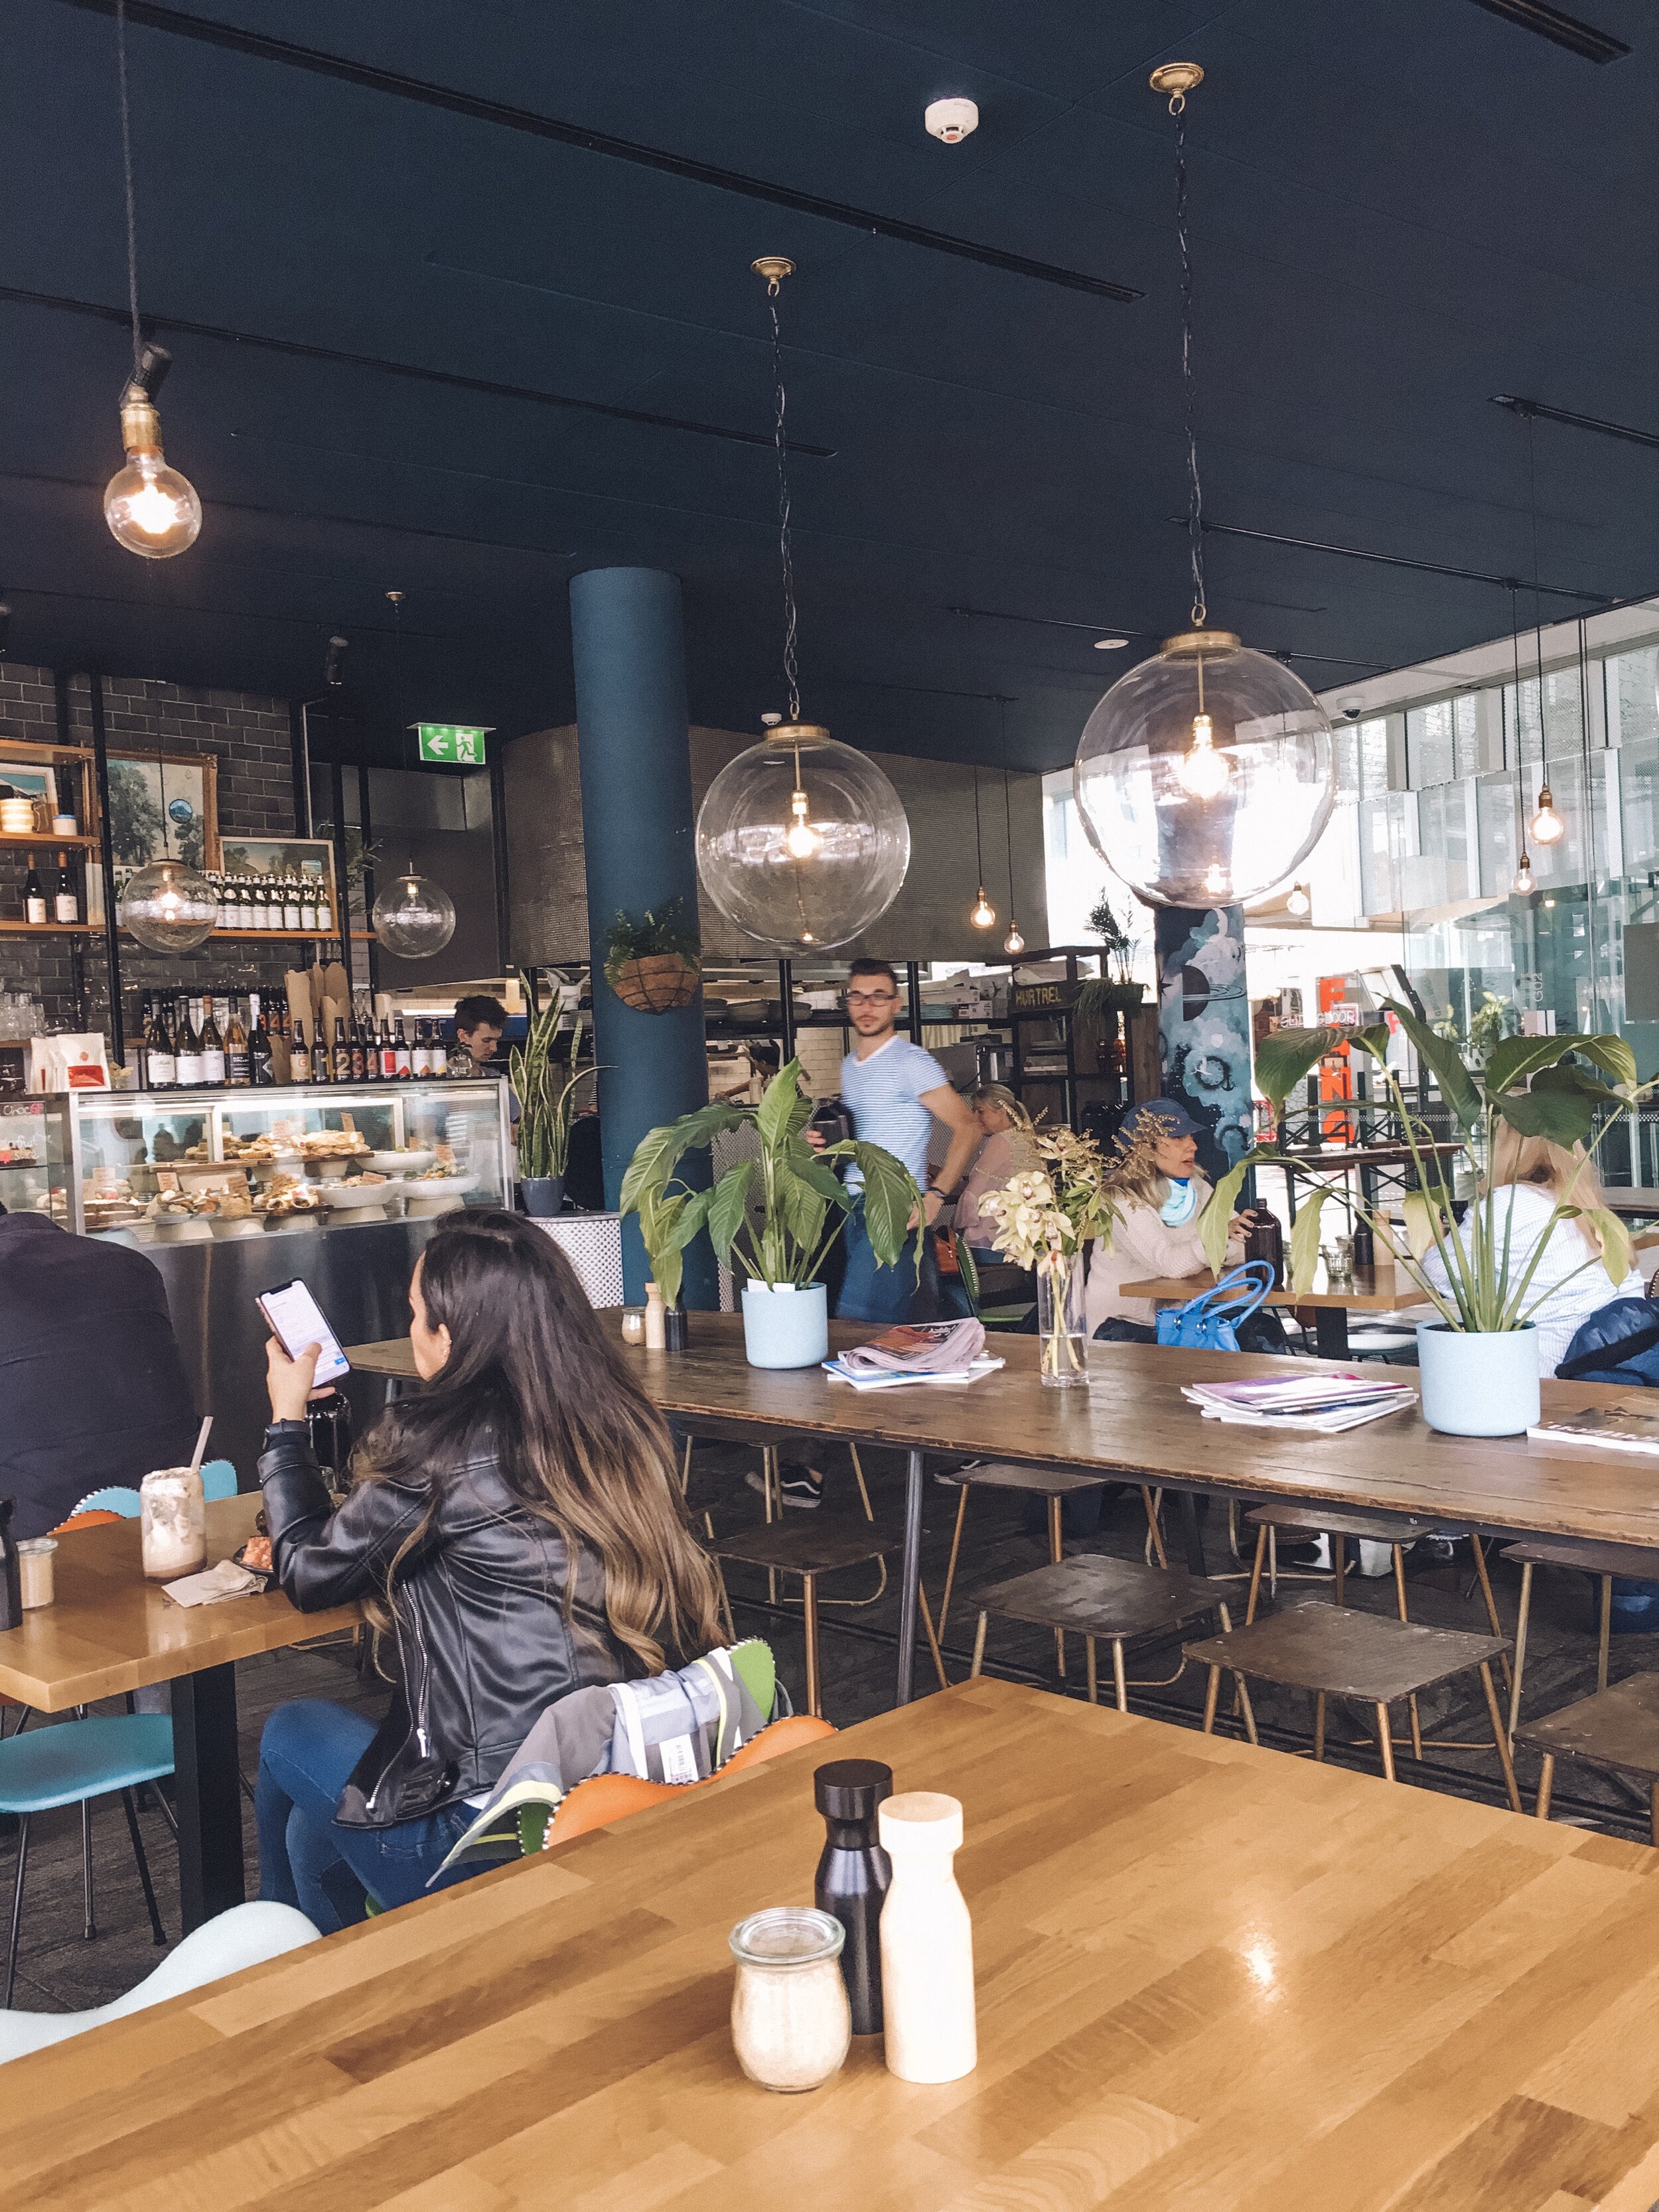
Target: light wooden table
<point x="110" y="1631"/>
<point x="1207" y="1977"/>
<point x="1383" y="1288"/>
<point x="1133" y="1425"/>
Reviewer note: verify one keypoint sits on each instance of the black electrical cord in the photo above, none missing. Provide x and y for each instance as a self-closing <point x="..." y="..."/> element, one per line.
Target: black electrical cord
<point x="1194" y="488"/>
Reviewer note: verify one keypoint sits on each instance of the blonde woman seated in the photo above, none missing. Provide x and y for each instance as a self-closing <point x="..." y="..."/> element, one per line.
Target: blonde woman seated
<point x="1529" y="1176"/>
<point x="1160" y="1195"/>
<point x="1009" y="1149"/>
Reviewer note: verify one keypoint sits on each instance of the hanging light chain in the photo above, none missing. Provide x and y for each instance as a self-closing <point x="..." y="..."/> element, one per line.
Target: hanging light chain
<point x="786" y="555"/>
<point x="1194" y="487"/>
<point x="127" y="174"/>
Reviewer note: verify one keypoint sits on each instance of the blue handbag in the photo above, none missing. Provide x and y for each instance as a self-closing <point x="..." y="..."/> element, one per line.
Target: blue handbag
<point x="1210" y="1321"/>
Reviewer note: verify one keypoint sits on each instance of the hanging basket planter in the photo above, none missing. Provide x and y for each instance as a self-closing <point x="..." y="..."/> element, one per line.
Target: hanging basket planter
<point x="654" y="965"/>
<point x="656" y="984"/>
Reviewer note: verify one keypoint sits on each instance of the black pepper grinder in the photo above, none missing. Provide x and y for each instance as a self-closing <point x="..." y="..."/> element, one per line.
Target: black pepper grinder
<point x="11" y="1591"/>
<point x="853" y="1876"/>
<point x="1365" y="1244"/>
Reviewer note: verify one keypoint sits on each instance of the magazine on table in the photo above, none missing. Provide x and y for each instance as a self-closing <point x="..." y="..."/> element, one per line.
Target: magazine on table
<point x="945" y="1351"/>
<point x="1628" y="1424"/>
<point x="1324" y="1404"/>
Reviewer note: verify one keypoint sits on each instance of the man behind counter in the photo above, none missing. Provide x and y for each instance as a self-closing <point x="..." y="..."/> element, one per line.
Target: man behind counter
<point x="480" y="1023"/>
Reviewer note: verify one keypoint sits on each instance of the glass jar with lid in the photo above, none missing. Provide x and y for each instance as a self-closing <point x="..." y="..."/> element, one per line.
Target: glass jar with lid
<point x="791" y="2023"/>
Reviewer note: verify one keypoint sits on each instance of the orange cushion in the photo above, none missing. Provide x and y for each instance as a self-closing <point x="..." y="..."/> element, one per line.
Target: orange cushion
<point x="95" y="1519"/>
<point x="604" y="1799"/>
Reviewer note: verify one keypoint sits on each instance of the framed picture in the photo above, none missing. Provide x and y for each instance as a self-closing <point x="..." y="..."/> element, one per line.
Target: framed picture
<point x="282" y="856"/>
<point x="163" y="807"/>
<point x="27" y="780"/>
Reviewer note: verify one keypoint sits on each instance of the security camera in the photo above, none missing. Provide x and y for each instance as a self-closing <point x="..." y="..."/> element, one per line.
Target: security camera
<point x="1353" y="708"/>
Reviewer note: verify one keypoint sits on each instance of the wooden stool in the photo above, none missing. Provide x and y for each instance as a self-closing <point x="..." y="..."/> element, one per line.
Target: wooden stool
<point x="1617" y="1731"/>
<point x="1396" y="1531"/>
<point x="1602" y="1561"/>
<point x="1095" y="1597"/>
<point x="1336" y="1652"/>
<point x="1053" y="1483"/>
<point x="830" y="1543"/>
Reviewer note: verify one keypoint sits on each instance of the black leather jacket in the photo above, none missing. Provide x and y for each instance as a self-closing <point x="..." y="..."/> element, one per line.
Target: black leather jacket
<point x="482" y="1641"/>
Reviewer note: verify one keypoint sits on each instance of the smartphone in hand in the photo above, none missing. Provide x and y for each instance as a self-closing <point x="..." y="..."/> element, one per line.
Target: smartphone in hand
<point x="296" y="1320"/>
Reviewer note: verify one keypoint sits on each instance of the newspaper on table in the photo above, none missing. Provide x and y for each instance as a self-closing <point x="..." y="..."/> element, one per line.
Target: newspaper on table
<point x="916" y="1352"/>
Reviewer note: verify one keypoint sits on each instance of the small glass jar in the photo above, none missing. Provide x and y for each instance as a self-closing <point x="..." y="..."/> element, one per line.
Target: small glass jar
<point x="791" y="2023"/>
<point x="35" y="1562"/>
<point x="633" y="1325"/>
<point x="173" y="1523"/>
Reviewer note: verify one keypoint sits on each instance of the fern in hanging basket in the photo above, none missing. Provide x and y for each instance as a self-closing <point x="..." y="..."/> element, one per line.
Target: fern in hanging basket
<point x="654" y="963"/>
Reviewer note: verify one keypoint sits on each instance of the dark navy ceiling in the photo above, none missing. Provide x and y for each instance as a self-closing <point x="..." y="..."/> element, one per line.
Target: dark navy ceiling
<point x="446" y="354"/>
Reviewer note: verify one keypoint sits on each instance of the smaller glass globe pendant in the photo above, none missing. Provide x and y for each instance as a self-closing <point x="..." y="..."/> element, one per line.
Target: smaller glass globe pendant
<point x="150" y="508"/>
<point x="1546" y="824"/>
<point x="167" y="907"/>
<point x="1523" y="883"/>
<point x="1013" y="942"/>
<point x="414" y="917"/>
<point x="1206" y="773"/>
<point x="802" y="841"/>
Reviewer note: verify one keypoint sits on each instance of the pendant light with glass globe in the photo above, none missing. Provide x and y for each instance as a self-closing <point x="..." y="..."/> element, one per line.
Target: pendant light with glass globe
<point x="1207" y="773"/>
<point x="983" y="915"/>
<point x="150" y="508"/>
<point x="801" y="840"/>
<point x="166" y="904"/>
<point x="414" y="917"/>
<point x="1013" y="942"/>
<point x="1522" y="881"/>
<point x="1547" y="827"/>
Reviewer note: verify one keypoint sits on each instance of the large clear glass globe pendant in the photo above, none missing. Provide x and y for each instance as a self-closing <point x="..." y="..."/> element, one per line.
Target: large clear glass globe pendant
<point x="802" y="842"/>
<point x="414" y="917"/>
<point x="167" y="907"/>
<point x="1206" y="774"/>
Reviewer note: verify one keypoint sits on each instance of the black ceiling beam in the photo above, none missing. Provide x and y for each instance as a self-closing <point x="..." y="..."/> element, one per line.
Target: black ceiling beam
<point x="1561" y="30"/>
<point x="1399" y="561"/>
<point x="96" y="312"/>
<point x="1536" y="411"/>
<point x="526" y="120"/>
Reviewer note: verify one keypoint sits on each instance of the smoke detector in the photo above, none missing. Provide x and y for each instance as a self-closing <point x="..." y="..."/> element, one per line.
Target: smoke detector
<point x="951" y="120"/>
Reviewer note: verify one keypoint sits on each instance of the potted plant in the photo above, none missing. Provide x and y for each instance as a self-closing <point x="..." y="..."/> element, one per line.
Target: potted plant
<point x="1044" y="1219"/>
<point x="1117" y="991"/>
<point x="654" y="963"/>
<point x="546" y="1083"/>
<point x="1479" y="1360"/>
<point x="775" y="1214"/>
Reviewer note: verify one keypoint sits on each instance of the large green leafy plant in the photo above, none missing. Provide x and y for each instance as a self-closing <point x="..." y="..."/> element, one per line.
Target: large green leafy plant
<point x="800" y="1203"/>
<point x="546" y="1082"/>
<point x="1552" y="1087"/>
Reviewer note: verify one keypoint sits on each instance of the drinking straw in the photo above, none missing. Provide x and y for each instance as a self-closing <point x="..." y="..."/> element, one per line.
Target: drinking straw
<point x="201" y="1444"/>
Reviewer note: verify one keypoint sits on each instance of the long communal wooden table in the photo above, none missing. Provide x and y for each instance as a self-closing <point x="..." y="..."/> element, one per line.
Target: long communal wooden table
<point x="110" y="1631"/>
<point x="1134" y="1424"/>
<point x="1207" y="1977"/>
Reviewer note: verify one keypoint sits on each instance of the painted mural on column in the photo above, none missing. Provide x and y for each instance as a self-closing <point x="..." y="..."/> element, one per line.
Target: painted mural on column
<point x="1204" y="1026"/>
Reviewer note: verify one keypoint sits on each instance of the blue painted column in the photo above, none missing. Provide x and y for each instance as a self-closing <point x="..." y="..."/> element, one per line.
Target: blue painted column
<point x="1204" y="1027"/>
<point x="637" y="829"/>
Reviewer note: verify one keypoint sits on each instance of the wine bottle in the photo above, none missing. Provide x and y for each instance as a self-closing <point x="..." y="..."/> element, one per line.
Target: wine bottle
<point x="388" y="1050"/>
<point x="67" y="905"/>
<point x="163" y="1066"/>
<point x="188" y="1050"/>
<point x="307" y="901"/>
<point x="324" y="909"/>
<point x="299" y="1059"/>
<point x="213" y="1050"/>
<point x="290" y="903"/>
<point x="261" y="1068"/>
<point x="420" y="1055"/>
<point x="34" y="897"/>
<point x="222" y="884"/>
<point x="238" y="1064"/>
<point x="400" y="1056"/>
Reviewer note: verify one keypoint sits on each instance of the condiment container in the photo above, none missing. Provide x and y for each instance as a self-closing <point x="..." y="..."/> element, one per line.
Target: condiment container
<point x="11" y="1581"/>
<point x="17" y="817"/>
<point x="926" y="1942"/>
<point x="790" y="2022"/>
<point x="676" y="1328"/>
<point x="632" y="1326"/>
<point x="1365" y="1245"/>
<point x="63" y="825"/>
<point x="656" y="1321"/>
<point x="173" y="1523"/>
<point x="853" y="1875"/>
<point x="35" y="1559"/>
<point x="1266" y="1241"/>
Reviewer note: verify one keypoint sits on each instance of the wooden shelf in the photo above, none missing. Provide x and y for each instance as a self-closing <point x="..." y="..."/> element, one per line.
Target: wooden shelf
<point x="52" y="928"/>
<point x="46" y="837"/>
<point x="294" y="936"/>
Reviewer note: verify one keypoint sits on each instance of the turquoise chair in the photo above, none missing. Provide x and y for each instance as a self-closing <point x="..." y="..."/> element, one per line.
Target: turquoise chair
<point x="218" y="1481"/>
<point x="71" y="1765"/>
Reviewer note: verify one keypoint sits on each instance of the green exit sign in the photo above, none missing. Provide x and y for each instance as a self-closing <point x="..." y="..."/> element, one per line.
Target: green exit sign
<point x="452" y="742"/>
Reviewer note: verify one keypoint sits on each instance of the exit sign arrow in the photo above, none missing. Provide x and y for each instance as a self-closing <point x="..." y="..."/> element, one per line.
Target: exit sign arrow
<point x="453" y="742"/>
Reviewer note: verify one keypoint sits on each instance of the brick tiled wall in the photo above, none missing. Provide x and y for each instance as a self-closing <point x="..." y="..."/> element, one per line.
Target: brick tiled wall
<point x="249" y="736"/>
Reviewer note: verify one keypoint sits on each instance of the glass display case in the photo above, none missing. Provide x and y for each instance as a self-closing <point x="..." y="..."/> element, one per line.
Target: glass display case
<point x="34" y="1170"/>
<point x="179" y="1167"/>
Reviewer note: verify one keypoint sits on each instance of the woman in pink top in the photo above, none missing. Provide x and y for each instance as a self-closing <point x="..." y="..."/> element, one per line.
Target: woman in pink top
<point x="1008" y="1151"/>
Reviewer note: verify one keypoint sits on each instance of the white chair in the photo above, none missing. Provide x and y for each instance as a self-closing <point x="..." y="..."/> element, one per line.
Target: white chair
<point x="245" y="1937"/>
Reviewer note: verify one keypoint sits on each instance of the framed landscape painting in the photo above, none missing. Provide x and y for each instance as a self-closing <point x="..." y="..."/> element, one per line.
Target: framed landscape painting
<point x="163" y="806"/>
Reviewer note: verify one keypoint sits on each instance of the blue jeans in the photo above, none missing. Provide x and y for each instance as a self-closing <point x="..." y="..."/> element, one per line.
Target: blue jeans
<point x="306" y="1754"/>
<point x="870" y="1291"/>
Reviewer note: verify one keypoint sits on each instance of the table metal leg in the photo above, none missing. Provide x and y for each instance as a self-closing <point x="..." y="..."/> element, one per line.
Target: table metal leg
<point x="910" y="1579"/>
<point x="207" y="1795"/>
<point x="1191" y="1533"/>
<point x="1331" y="1332"/>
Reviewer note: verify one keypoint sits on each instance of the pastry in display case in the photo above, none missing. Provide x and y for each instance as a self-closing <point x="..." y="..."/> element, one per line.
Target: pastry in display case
<point x="192" y="1167"/>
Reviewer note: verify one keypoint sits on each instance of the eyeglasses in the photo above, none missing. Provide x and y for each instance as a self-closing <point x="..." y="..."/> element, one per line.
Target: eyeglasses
<point x="872" y="997"/>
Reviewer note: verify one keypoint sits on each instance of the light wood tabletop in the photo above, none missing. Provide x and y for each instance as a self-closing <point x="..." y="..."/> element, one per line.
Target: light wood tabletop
<point x="109" y="1631"/>
<point x="1381" y="1289"/>
<point x="1207" y="1977"/>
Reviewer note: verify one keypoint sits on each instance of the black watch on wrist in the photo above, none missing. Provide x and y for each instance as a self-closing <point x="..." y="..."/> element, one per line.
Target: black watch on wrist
<point x="288" y="1428"/>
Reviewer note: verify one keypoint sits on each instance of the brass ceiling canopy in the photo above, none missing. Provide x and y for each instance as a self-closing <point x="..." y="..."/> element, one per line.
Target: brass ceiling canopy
<point x="774" y="267"/>
<point x="1202" y="641"/>
<point x="1177" y="78"/>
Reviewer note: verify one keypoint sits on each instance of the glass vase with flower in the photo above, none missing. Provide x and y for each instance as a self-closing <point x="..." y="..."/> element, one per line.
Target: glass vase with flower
<point x="1045" y="1219"/>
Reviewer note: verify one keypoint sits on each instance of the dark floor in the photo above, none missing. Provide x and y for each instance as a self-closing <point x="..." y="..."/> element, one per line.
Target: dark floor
<point x="59" y="1969"/>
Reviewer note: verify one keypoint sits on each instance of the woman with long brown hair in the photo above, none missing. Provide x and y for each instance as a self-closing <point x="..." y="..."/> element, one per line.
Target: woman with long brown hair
<point x="516" y="1524"/>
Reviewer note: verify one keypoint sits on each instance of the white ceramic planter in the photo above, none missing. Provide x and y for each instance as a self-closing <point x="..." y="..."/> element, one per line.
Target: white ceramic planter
<point x="787" y="1327"/>
<point x="1479" y="1385"/>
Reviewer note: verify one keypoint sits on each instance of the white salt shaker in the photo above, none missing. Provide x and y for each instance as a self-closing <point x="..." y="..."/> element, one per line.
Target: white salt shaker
<point x="173" y="1523"/>
<point x="926" y="1942"/>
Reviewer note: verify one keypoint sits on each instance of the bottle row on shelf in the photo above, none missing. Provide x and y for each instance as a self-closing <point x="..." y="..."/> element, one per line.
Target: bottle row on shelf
<point x="183" y="1045"/>
<point x="53" y="895"/>
<point x="297" y="902"/>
